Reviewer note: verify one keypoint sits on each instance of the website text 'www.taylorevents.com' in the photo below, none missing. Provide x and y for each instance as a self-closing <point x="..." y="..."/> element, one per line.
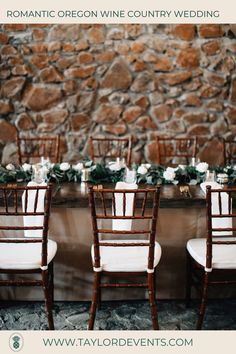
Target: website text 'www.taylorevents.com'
<point x="118" y="342"/>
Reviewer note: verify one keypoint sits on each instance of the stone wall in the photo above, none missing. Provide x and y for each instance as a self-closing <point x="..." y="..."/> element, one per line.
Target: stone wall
<point x="79" y="80"/>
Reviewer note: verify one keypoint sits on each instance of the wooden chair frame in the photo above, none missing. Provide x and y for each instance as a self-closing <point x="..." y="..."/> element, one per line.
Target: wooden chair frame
<point x="106" y="144"/>
<point x="42" y="146"/>
<point x="229" y="158"/>
<point x="10" y="202"/>
<point x="202" y="277"/>
<point x="143" y="199"/>
<point x="189" y="146"/>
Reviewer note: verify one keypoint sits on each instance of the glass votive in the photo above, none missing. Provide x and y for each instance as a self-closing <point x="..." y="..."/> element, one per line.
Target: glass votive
<point x="37" y="176"/>
<point x="130" y="176"/>
<point x="210" y="176"/>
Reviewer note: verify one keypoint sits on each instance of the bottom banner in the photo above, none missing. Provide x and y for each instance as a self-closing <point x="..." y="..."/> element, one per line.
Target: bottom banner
<point x="28" y="342"/>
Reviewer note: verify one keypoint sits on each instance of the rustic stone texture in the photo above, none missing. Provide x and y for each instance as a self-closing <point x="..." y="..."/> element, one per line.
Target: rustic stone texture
<point x="233" y="90"/>
<point x="64" y="32"/>
<point x="142" y="102"/>
<point x="161" y="112"/>
<point x="38" y="97"/>
<point x="108" y="113"/>
<point x="215" y="80"/>
<point x="132" y="113"/>
<point x="193" y="118"/>
<point x="6" y="107"/>
<point x="212" y="47"/>
<point x="163" y="64"/>
<point x="51" y="75"/>
<point x="209" y="91"/>
<point x="143" y="83"/>
<point x="3" y="38"/>
<point x="185" y="31"/>
<point x="25" y="122"/>
<point x="118" y="76"/>
<point x="116" y="130"/>
<point x="95" y="36"/>
<point x="199" y="130"/>
<point x="40" y="61"/>
<point x="189" y="58"/>
<point x="78" y="121"/>
<point x="117" y="80"/>
<point x="85" y="58"/>
<point x="12" y="87"/>
<point x="219" y="127"/>
<point x="192" y="100"/>
<point x="79" y="73"/>
<point x="210" y="31"/>
<point x="55" y="116"/>
<point x="7" y="131"/>
<point x="215" y="106"/>
<point x="231" y="115"/>
<point x="177" y="78"/>
<point x="145" y="123"/>
<point x="175" y="125"/>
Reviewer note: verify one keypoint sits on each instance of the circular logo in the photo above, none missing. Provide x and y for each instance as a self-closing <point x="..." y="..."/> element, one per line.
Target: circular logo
<point x="16" y="342"/>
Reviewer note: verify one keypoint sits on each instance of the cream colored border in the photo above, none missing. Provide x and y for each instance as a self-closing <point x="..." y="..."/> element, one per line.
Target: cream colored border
<point x="212" y="341"/>
<point x="224" y="8"/>
<point x="204" y="341"/>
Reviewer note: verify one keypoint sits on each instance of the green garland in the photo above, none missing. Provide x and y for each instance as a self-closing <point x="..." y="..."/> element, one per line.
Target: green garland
<point x="100" y="173"/>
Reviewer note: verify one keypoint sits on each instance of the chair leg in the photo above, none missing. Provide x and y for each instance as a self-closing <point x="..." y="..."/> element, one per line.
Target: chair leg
<point x="95" y="299"/>
<point x="188" y="279"/>
<point x="47" y="297"/>
<point x="152" y="300"/>
<point x="202" y="309"/>
<point x="51" y="281"/>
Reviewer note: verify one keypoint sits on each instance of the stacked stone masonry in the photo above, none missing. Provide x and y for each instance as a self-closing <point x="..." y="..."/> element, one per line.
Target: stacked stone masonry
<point x="116" y="80"/>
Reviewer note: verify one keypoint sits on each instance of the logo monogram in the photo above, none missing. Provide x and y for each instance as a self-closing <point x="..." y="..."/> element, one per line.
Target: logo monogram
<point x="16" y="342"/>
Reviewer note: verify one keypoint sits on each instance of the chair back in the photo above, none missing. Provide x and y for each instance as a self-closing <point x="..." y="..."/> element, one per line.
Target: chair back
<point x="109" y="149"/>
<point x="31" y="149"/>
<point x="229" y="147"/>
<point x="103" y="204"/>
<point x="174" y="151"/>
<point x="23" y="217"/>
<point x="220" y="220"/>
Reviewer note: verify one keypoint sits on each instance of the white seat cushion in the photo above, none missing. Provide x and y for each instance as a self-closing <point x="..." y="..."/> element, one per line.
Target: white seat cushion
<point x="24" y="255"/>
<point x="126" y="259"/>
<point x="223" y="256"/>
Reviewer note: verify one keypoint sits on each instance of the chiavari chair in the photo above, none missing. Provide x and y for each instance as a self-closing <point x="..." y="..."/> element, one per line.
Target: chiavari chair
<point x="229" y="152"/>
<point x="211" y="260"/>
<point x="111" y="148"/>
<point x="120" y="251"/>
<point x="31" y="149"/>
<point x="174" y="151"/>
<point x="24" y="245"/>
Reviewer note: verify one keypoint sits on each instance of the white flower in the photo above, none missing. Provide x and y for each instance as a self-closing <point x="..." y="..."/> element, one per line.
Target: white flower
<point x="182" y="167"/>
<point x="142" y="170"/>
<point x="78" y="167"/>
<point x="64" y="166"/>
<point x="202" y="167"/>
<point x="115" y="166"/>
<point x="147" y="165"/>
<point x="26" y="167"/>
<point x="10" y="167"/>
<point x="169" y="174"/>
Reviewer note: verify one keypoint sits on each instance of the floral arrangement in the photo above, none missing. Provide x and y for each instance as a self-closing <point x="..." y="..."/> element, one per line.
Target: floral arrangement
<point x="114" y="172"/>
